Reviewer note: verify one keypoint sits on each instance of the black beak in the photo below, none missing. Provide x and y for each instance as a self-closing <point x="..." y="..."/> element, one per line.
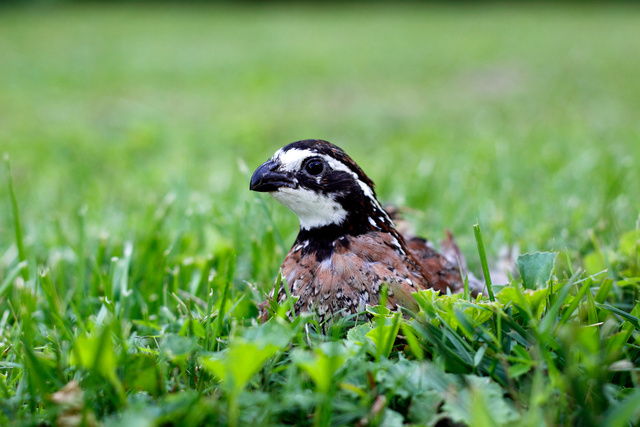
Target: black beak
<point x="266" y="178"/>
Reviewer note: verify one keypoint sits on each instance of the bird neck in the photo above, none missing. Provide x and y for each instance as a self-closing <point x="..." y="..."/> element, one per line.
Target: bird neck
<point x="323" y="241"/>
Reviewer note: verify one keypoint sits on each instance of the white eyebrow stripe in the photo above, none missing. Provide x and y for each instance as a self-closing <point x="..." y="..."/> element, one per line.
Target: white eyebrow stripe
<point x="292" y="160"/>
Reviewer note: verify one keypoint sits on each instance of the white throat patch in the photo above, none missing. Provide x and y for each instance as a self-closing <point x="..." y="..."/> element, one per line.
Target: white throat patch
<point x="313" y="210"/>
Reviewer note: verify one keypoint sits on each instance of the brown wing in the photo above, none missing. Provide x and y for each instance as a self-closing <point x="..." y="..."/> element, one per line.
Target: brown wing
<point x="442" y="269"/>
<point x="441" y="272"/>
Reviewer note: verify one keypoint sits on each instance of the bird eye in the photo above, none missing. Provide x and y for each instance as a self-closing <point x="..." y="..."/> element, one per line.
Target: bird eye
<point x="314" y="167"/>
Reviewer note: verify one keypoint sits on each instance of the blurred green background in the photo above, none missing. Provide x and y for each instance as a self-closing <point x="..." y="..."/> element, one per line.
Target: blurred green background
<point x="524" y="116"/>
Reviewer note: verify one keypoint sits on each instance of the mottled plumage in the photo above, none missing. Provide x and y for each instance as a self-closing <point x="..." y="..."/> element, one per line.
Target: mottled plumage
<point x="348" y="246"/>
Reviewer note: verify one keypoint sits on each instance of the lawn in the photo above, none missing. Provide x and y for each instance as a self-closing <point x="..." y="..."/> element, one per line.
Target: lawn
<point x="128" y="287"/>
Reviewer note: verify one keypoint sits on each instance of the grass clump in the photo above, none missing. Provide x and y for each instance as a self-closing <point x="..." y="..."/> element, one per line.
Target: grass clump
<point x="554" y="347"/>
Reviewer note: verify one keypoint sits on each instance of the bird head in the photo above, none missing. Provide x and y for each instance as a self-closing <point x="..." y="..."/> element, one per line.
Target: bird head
<point x="322" y="185"/>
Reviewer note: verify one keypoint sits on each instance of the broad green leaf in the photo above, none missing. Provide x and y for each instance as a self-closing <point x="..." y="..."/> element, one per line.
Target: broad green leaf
<point x="536" y="268"/>
<point x="480" y="312"/>
<point x="323" y="362"/>
<point x="236" y="365"/>
<point x="274" y="332"/>
<point x="482" y="415"/>
<point x="391" y="418"/>
<point x="358" y="334"/>
<point x="384" y="333"/>
<point x="424" y="407"/>
<point x="246" y="355"/>
<point x="534" y="299"/>
<point x="378" y="310"/>
<point x="95" y="352"/>
<point x="481" y="403"/>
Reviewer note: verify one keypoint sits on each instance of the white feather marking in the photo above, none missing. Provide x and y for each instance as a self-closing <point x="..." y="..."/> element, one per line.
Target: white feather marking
<point x="363" y="299"/>
<point x="327" y="264"/>
<point x="301" y="246"/>
<point x="313" y="210"/>
<point x="366" y="189"/>
<point x="395" y="243"/>
<point x="292" y="160"/>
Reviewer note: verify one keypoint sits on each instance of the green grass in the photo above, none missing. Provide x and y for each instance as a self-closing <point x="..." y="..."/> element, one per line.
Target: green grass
<point x="132" y="273"/>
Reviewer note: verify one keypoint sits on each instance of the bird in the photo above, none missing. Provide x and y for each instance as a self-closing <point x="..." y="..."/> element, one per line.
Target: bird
<point x="347" y="247"/>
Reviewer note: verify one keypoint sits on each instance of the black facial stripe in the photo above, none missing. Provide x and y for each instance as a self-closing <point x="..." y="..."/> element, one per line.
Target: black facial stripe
<point x="333" y="182"/>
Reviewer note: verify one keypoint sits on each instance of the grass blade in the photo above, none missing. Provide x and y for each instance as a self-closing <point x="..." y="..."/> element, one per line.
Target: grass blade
<point x="483" y="260"/>
<point x="24" y="272"/>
